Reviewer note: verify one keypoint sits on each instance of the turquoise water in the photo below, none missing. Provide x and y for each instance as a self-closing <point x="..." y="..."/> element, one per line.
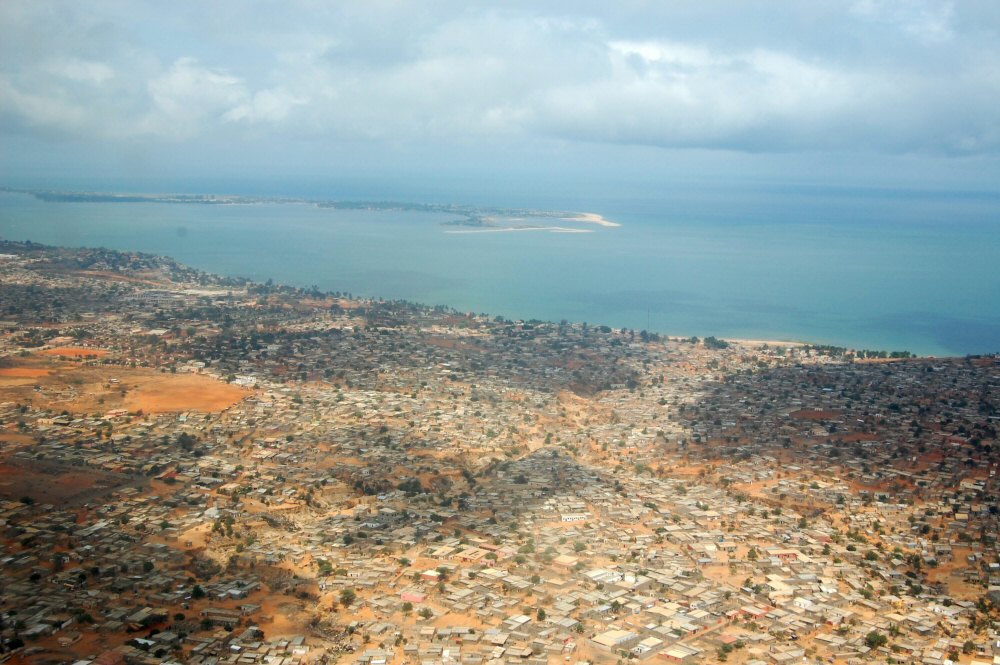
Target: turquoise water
<point x="861" y="269"/>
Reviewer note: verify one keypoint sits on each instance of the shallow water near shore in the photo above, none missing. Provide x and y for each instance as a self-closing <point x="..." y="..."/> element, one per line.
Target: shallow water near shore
<point x="870" y="270"/>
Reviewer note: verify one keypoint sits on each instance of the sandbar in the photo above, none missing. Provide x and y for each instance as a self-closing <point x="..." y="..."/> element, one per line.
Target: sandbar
<point x="591" y="218"/>
<point x="508" y="229"/>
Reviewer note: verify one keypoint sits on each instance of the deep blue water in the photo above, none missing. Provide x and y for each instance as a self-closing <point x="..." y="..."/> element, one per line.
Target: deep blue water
<point x="865" y="268"/>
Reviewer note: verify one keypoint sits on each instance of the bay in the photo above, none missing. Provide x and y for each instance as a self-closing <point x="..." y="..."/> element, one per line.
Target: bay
<point x="863" y="269"/>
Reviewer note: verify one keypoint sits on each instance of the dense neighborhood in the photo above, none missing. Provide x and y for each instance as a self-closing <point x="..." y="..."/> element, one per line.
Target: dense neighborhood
<point x="196" y="469"/>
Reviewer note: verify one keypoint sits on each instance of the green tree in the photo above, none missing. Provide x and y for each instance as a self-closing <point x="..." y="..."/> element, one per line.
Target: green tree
<point x="875" y="639"/>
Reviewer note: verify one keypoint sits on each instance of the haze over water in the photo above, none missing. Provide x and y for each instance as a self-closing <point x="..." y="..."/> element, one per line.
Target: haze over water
<point x="825" y="171"/>
<point x="877" y="269"/>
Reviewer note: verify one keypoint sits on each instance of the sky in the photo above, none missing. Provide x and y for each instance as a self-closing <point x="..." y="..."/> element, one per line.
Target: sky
<point x="501" y="97"/>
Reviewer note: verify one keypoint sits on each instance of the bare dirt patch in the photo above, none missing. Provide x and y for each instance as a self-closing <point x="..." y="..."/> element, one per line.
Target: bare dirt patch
<point x="150" y="279"/>
<point x="11" y="437"/>
<point x="23" y="372"/>
<point x="75" y="352"/>
<point x="282" y="617"/>
<point x="59" y="384"/>
<point x="182" y="392"/>
<point x="56" y="484"/>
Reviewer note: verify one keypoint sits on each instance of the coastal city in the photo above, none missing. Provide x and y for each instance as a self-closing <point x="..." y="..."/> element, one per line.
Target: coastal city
<point x="201" y="469"/>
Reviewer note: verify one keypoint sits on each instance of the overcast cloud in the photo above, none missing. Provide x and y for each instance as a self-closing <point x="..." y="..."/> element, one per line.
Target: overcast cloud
<point x="884" y="77"/>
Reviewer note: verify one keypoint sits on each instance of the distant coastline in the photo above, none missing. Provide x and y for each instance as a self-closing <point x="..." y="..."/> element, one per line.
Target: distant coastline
<point x="477" y="218"/>
<point x="665" y="270"/>
<point x="506" y="229"/>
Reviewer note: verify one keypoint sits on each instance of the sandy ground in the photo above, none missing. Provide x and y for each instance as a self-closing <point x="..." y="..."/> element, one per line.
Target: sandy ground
<point x="195" y="537"/>
<point x="74" y="352"/>
<point x="23" y="372"/>
<point x="91" y="642"/>
<point x="56" y="485"/>
<point x="10" y="437"/>
<point x="162" y="393"/>
<point x="49" y="382"/>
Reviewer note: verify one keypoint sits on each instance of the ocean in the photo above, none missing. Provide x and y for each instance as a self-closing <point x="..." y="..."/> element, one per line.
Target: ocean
<point x="872" y="269"/>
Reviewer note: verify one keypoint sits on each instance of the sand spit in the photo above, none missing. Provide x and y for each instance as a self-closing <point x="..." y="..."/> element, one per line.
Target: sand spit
<point x="591" y="218"/>
<point x="508" y="229"/>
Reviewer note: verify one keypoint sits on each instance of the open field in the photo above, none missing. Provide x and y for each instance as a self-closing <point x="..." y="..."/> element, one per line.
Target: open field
<point x="51" y="383"/>
<point x="57" y="484"/>
<point x="160" y="393"/>
<point x="74" y="352"/>
<point x="23" y="372"/>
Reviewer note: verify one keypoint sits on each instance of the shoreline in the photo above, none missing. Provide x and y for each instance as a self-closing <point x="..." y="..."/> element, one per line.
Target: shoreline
<point x="70" y="196"/>
<point x="748" y="343"/>
<point x="770" y="342"/>
<point x="923" y="341"/>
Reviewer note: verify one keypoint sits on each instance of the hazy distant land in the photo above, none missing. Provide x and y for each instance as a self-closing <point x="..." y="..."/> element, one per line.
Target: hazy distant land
<point x="472" y="219"/>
